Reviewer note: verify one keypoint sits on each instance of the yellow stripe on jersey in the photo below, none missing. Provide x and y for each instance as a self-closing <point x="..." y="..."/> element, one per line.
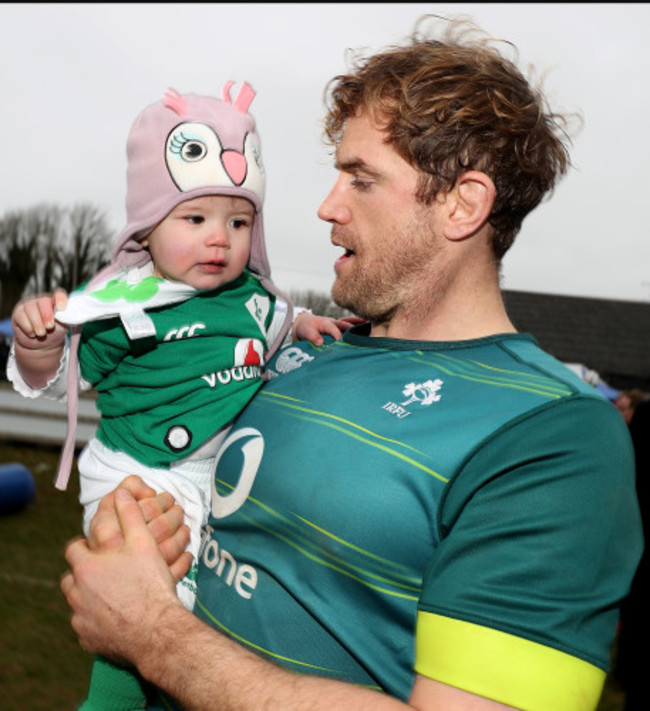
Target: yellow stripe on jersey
<point x="345" y="427"/>
<point x="503" y="667"/>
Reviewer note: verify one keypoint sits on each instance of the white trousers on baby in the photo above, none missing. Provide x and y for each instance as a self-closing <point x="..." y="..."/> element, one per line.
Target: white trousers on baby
<point x="102" y="469"/>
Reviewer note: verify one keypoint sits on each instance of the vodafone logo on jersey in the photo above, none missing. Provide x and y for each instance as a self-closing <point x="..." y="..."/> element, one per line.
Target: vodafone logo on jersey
<point x="248" y="351"/>
<point x="247" y="364"/>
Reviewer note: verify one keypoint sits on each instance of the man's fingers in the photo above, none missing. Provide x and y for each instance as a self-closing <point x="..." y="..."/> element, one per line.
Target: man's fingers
<point x="165" y="524"/>
<point x="129" y="514"/>
<point x="154" y="507"/>
<point x="181" y="567"/>
<point x="67" y="583"/>
<point x="132" y="483"/>
<point x="105" y="530"/>
<point x="75" y="550"/>
<point x="172" y="547"/>
<point x="140" y="491"/>
<point x="137" y="487"/>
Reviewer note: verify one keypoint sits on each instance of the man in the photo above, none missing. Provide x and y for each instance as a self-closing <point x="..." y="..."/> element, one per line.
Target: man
<point x="627" y="401"/>
<point x="431" y="512"/>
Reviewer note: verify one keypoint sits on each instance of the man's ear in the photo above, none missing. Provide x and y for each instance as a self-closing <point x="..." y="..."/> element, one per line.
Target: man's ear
<point x="469" y="204"/>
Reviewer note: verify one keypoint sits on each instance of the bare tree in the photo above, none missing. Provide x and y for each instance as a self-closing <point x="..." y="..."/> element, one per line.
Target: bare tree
<point x="45" y="246"/>
<point x="17" y="259"/>
<point x="87" y="245"/>
<point x="319" y="303"/>
<point x="41" y="226"/>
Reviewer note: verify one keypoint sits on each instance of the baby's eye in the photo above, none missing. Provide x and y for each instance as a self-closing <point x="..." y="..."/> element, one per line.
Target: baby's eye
<point x="195" y="219"/>
<point x="239" y="222"/>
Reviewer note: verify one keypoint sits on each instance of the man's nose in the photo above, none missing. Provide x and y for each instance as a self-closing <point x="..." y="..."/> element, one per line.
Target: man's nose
<point x="333" y="207"/>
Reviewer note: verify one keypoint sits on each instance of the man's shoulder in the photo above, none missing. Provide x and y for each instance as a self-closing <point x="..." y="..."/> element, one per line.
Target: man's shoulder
<point x="296" y="356"/>
<point x="529" y="354"/>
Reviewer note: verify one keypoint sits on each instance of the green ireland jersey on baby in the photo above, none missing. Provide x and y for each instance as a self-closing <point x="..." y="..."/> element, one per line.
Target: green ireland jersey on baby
<point x="461" y="510"/>
<point x="163" y="396"/>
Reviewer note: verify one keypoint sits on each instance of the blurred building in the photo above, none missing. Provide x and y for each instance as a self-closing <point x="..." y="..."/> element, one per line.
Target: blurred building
<point x="608" y="336"/>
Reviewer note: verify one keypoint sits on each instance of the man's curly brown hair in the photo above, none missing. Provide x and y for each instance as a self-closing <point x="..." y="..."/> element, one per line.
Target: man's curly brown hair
<point x="453" y="105"/>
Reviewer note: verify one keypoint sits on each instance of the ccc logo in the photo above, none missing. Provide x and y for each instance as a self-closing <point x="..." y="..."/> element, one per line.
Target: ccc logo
<point x="184" y="332"/>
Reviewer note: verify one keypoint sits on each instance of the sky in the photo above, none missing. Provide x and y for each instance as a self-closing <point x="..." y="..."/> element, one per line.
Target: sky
<point x="74" y="77"/>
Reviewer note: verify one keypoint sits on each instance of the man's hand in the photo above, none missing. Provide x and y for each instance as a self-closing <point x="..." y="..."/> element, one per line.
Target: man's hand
<point x="163" y="517"/>
<point x="122" y="588"/>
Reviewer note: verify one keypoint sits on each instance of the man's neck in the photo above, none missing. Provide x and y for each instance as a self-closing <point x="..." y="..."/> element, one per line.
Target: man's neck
<point x="471" y="308"/>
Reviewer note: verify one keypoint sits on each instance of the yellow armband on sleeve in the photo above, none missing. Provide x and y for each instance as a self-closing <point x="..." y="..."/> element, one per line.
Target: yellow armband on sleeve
<point x="505" y="668"/>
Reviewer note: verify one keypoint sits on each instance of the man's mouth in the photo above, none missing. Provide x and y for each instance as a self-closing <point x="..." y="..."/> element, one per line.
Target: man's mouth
<point x="347" y="254"/>
<point x="344" y="259"/>
<point x="340" y="238"/>
<point x="347" y="251"/>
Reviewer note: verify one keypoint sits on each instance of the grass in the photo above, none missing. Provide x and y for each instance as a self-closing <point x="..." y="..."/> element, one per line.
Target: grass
<point x="42" y="667"/>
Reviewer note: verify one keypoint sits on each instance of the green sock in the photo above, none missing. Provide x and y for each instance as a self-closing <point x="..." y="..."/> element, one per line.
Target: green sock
<point x="113" y="688"/>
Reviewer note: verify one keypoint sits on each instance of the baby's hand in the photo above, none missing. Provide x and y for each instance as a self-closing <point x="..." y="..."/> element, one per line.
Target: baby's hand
<point x="309" y="327"/>
<point x="346" y="322"/>
<point x="34" y="324"/>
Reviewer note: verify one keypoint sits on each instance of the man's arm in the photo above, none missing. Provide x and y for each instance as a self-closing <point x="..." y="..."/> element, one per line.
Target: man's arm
<point x="124" y="606"/>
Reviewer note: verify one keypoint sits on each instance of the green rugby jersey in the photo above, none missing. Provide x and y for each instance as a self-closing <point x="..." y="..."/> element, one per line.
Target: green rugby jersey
<point x="463" y="509"/>
<point x="162" y="397"/>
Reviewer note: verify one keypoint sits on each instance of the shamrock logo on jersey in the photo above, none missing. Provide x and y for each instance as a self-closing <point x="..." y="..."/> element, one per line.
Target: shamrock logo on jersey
<point x="424" y="393"/>
<point x="116" y="289"/>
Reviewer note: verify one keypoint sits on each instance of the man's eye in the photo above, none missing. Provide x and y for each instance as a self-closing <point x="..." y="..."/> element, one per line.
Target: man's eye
<point x="359" y="184"/>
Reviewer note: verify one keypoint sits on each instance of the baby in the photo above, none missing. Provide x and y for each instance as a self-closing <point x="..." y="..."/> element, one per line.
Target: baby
<point x="174" y="333"/>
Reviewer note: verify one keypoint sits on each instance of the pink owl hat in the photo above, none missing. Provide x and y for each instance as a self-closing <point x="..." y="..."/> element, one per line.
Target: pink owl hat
<point x="183" y="147"/>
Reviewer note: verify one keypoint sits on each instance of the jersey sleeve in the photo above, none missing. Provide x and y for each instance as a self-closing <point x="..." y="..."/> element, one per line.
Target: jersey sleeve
<point x="103" y="345"/>
<point x="540" y="539"/>
<point x="279" y="317"/>
<point x="55" y="389"/>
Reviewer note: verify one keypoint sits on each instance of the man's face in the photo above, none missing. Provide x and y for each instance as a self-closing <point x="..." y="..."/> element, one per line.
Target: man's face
<point x="624" y="405"/>
<point x="389" y="237"/>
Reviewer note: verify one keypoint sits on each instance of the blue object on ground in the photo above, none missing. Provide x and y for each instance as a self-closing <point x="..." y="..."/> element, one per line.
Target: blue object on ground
<point x="17" y="487"/>
<point x="6" y="328"/>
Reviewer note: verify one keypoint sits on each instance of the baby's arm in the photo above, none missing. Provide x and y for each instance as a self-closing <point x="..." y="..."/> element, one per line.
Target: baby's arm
<point x="307" y="326"/>
<point x="39" y="340"/>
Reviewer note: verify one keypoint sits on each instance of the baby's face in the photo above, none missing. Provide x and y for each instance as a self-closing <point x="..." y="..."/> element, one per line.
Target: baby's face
<point x="204" y="242"/>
